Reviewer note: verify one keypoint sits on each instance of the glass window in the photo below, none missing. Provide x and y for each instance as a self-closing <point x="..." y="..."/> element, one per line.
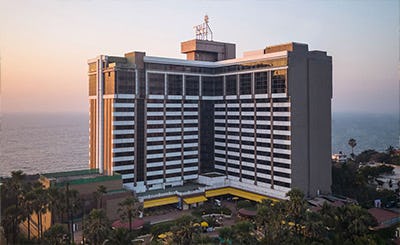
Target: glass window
<point x="174" y="84"/>
<point x="261" y="82"/>
<point x="125" y="82"/>
<point x="278" y="81"/>
<point x="231" y="84"/>
<point x="245" y="83"/>
<point x="156" y="83"/>
<point x="192" y="85"/>
<point x="92" y="84"/>
<point x="212" y="86"/>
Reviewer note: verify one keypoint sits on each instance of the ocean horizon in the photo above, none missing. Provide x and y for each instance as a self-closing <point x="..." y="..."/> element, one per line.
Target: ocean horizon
<point x="52" y="142"/>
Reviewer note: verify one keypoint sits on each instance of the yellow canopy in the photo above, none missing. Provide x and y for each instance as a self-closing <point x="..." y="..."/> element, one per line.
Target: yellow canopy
<point x="217" y="192"/>
<point x="239" y="193"/>
<point x="160" y="201"/>
<point x="196" y="199"/>
<point x="162" y="236"/>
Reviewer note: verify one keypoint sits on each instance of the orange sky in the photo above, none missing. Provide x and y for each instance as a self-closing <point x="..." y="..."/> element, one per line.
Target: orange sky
<point x="44" y="45"/>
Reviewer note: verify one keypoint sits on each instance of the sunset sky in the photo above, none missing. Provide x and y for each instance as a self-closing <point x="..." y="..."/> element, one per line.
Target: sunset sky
<point x="45" y="45"/>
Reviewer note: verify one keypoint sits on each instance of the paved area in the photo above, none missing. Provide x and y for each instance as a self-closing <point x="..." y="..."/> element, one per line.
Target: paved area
<point x="172" y="215"/>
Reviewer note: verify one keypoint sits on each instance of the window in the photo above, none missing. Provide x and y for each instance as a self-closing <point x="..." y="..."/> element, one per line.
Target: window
<point x="231" y="85"/>
<point x="212" y="86"/>
<point x="278" y="81"/>
<point x="245" y="83"/>
<point x="125" y="82"/>
<point x="261" y="82"/>
<point x="174" y="84"/>
<point x="156" y="83"/>
<point x="192" y="85"/>
<point x="92" y="84"/>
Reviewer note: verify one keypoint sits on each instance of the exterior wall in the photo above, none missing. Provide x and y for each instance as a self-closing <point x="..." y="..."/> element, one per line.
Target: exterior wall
<point x="172" y="127"/>
<point x="320" y="80"/>
<point x="252" y="132"/>
<point x="298" y="92"/>
<point x="123" y="138"/>
<point x="310" y="85"/>
<point x="92" y="133"/>
<point x="208" y="50"/>
<point x="107" y="132"/>
<point x="112" y="201"/>
<point x="271" y="131"/>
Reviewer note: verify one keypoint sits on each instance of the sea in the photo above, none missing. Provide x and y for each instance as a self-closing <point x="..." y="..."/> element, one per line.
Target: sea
<point x="41" y="143"/>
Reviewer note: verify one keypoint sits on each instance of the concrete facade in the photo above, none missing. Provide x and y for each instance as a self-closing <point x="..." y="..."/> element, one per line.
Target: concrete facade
<point x="263" y="121"/>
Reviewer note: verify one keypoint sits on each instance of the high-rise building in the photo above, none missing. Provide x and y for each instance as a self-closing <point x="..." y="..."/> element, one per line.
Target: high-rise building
<point x="262" y="121"/>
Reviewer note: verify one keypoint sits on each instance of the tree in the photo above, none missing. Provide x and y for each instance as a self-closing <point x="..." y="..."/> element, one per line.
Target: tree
<point x="244" y="233"/>
<point x="39" y="205"/>
<point x="97" y="227"/>
<point x="73" y="204"/>
<point x="120" y="236"/>
<point x="184" y="230"/>
<point x="12" y="217"/>
<point x="98" y="195"/>
<point x="129" y="209"/>
<point x="28" y="204"/>
<point x="12" y="192"/>
<point x="390" y="151"/>
<point x="56" y="203"/>
<point x="296" y="206"/>
<point x="273" y="225"/>
<point x="347" y="223"/>
<point x="352" y="143"/>
<point x="57" y="235"/>
<point x="264" y="214"/>
<point x="226" y="235"/>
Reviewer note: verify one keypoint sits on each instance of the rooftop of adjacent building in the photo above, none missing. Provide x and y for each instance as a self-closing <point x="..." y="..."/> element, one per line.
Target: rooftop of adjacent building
<point x="80" y="176"/>
<point x="186" y="188"/>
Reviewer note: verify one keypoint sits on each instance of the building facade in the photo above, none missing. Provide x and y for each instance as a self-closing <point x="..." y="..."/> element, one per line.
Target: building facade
<point x="263" y="121"/>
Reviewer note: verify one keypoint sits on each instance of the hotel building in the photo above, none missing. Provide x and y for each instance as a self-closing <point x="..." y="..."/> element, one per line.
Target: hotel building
<point x="260" y="123"/>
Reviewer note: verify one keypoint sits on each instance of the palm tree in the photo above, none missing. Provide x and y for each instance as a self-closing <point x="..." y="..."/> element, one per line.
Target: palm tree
<point x="129" y="209"/>
<point x="120" y="236"/>
<point x="57" y="234"/>
<point x="39" y="205"/>
<point x="56" y="203"/>
<point x="12" y="217"/>
<point x="97" y="227"/>
<point x="28" y="204"/>
<point x="98" y="195"/>
<point x="73" y="203"/>
<point x="264" y="214"/>
<point x="296" y="207"/>
<point x="352" y="143"/>
<point x="184" y="230"/>
<point x="12" y="192"/>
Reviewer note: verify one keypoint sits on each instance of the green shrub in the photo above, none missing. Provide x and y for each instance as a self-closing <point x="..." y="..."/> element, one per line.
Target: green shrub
<point x="161" y="227"/>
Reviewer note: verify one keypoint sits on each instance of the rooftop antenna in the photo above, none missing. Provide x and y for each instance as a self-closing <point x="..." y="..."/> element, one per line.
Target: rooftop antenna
<point x="203" y="31"/>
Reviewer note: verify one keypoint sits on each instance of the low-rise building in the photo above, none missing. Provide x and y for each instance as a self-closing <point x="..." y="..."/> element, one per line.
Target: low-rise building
<point x="86" y="183"/>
